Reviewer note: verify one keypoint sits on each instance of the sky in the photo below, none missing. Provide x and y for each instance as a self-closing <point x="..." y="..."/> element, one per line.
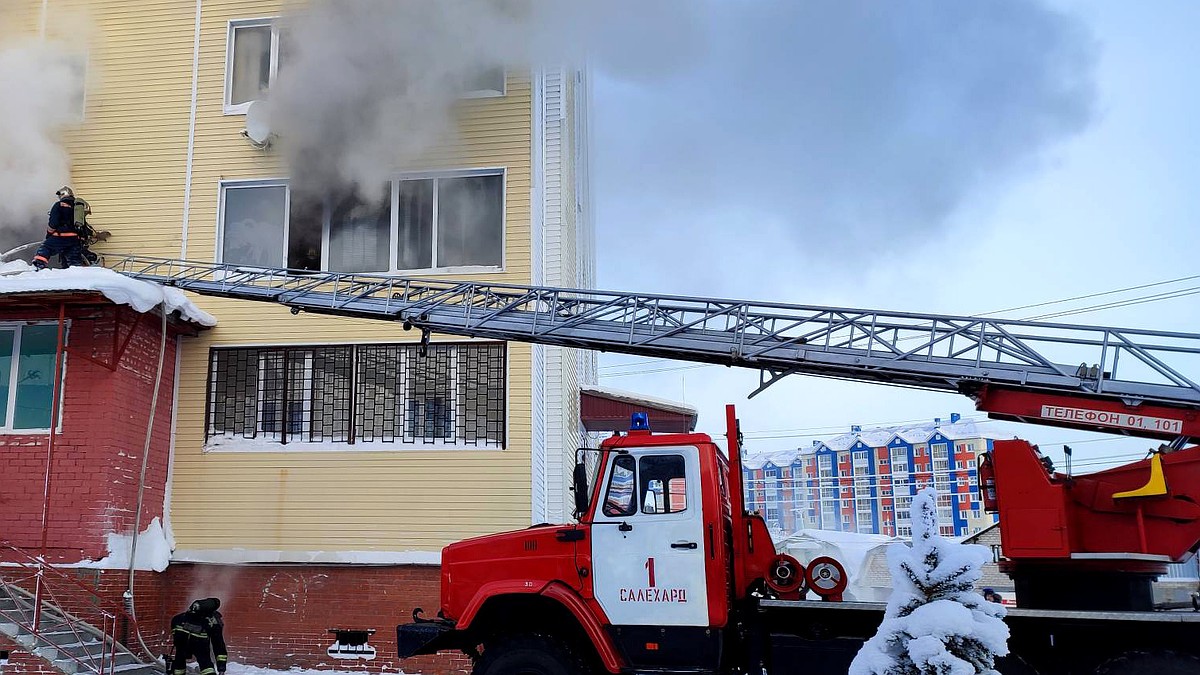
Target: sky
<point x="928" y="157"/>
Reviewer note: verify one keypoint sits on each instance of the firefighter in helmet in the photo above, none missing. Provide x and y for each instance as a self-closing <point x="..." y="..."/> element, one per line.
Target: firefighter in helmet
<point x="199" y="633"/>
<point x="62" y="236"/>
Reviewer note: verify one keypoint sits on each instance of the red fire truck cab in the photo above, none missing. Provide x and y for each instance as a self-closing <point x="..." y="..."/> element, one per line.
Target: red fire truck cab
<point x="650" y="577"/>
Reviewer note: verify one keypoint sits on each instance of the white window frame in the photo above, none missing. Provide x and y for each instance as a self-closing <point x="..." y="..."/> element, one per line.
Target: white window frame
<point x="10" y="411"/>
<point x="393" y="255"/>
<point x="233" y="25"/>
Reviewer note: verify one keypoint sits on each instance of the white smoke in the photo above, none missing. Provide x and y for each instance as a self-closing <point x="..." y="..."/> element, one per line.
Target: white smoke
<point x="41" y="94"/>
<point x="368" y="86"/>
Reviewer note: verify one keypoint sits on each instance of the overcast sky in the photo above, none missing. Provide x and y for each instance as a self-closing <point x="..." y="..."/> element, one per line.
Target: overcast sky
<point x="927" y="157"/>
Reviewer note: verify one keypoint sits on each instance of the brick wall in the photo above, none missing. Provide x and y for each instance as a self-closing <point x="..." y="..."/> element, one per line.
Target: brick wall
<point x="278" y="616"/>
<point x="21" y="662"/>
<point x="97" y="455"/>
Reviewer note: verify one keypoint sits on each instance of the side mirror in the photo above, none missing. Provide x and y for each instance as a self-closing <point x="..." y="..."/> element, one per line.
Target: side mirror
<point x="580" y="487"/>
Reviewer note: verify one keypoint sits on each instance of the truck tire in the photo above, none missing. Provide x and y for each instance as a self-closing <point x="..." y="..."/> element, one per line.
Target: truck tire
<point x="1154" y="663"/>
<point x="530" y="655"/>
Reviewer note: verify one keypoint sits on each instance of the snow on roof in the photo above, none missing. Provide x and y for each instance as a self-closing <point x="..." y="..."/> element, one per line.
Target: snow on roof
<point x="915" y="435"/>
<point x="638" y="399"/>
<point x="919" y="433"/>
<point x="777" y="457"/>
<point x="877" y="438"/>
<point x="18" y="276"/>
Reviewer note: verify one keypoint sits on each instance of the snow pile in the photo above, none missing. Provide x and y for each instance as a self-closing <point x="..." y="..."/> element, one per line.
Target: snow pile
<point x="153" y="550"/>
<point x="935" y="623"/>
<point x="19" y="277"/>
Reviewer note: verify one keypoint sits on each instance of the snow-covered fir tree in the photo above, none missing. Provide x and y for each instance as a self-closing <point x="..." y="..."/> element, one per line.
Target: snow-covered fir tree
<point x="935" y="624"/>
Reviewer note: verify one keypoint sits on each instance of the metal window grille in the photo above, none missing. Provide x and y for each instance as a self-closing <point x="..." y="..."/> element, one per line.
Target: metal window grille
<point x="390" y="393"/>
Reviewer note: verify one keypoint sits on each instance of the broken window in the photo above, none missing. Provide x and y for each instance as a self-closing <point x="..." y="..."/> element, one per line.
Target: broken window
<point x="250" y="62"/>
<point x="441" y="223"/>
<point x="360" y="235"/>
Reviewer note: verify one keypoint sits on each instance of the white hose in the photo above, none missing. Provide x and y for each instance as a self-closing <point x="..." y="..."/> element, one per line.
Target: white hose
<point x="137" y="518"/>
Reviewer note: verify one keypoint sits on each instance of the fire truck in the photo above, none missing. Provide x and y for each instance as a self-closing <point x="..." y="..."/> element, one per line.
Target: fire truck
<point x="666" y="571"/>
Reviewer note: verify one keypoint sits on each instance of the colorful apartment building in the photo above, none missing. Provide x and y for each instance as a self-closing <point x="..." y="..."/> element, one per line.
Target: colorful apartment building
<point x="864" y="481"/>
<point x="312" y="467"/>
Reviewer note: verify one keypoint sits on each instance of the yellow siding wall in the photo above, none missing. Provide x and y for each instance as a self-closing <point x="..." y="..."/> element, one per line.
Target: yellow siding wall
<point x="130" y="162"/>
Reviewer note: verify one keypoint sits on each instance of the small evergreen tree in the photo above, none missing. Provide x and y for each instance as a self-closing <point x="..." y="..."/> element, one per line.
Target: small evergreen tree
<point x="935" y="623"/>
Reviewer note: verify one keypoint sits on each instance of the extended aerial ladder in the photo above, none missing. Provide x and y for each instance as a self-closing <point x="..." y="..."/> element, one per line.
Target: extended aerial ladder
<point x="1111" y="530"/>
<point x="1118" y="380"/>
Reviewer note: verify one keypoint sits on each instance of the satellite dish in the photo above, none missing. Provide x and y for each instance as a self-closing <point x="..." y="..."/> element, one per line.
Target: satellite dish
<point x="258" y="125"/>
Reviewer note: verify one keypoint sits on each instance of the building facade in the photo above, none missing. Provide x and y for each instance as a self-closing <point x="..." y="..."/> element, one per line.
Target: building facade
<point x="326" y="441"/>
<point x="864" y="481"/>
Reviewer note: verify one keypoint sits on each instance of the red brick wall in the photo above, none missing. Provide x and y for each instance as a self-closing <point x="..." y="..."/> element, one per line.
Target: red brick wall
<point x="278" y="616"/>
<point x="97" y="455"/>
<point x="21" y="662"/>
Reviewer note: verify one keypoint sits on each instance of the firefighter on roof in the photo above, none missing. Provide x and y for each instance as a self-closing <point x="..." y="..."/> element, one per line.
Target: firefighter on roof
<point x="198" y="633"/>
<point x="62" y="235"/>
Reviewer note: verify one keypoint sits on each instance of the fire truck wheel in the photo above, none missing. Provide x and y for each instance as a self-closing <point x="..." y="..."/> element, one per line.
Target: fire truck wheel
<point x="529" y="655"/>
<point x="1157" y="663"/>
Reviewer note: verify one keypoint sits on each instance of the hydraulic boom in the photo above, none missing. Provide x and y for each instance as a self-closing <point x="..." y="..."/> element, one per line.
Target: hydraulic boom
<point x="1113" y="379"/>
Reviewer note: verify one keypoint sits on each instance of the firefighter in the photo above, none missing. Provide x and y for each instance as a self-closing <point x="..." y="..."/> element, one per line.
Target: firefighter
<point x="62" y="237"/>
<point x="198" y="633"/>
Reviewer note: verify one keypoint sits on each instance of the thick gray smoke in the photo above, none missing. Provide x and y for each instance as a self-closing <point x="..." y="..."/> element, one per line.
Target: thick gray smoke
<point x="367" y="86"/>
<point x="41" y="93"/>
<point x="836" y="127"/>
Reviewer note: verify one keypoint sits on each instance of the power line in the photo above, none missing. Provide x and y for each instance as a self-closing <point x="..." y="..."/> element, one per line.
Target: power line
<point x="1168" y="295"/>
<point x="1091" y="295"/>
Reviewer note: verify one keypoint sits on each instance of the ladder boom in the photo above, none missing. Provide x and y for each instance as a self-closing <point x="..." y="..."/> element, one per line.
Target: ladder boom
<point x="929" y="351"/>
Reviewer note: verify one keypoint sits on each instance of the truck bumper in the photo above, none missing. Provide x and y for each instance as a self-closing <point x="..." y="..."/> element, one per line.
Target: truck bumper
<point x="426" y="637"/>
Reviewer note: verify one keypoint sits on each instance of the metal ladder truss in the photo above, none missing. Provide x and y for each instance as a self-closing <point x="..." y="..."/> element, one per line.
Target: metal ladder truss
<point x="927" y="351"/>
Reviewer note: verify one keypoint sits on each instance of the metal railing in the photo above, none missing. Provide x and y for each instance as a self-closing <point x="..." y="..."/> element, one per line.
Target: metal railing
<point x="47" y="602"/>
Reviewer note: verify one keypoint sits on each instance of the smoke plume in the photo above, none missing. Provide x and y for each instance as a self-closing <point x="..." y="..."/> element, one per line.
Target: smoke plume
<point x="368" y="86"/>
<point x="41" y="93"/>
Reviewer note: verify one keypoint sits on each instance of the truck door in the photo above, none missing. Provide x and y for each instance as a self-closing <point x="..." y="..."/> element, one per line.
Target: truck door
<point x="648" y="539"/>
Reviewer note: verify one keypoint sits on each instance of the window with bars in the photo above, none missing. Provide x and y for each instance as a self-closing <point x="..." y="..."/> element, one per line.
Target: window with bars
<point x="454" y="395"/>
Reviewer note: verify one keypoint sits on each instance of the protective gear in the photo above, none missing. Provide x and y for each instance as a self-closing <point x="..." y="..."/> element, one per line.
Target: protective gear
<point x="62" y="236"/>
<point x="198" y="633"/>
<point x="65" y="191"/>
